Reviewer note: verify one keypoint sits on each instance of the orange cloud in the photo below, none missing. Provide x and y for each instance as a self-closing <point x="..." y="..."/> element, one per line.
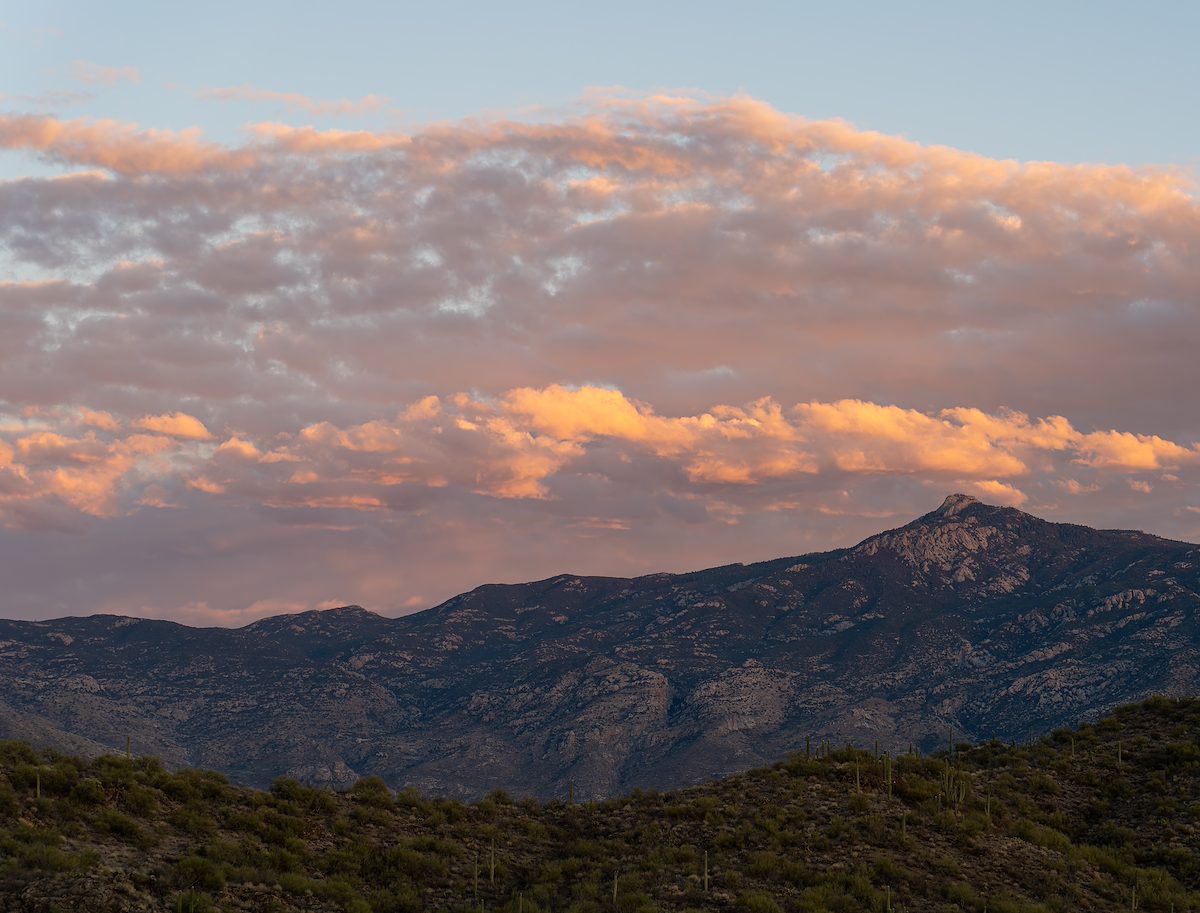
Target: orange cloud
<point x="1133" y="452"/>
<point x="528" y="442"/>
<point x="587" y="412"/>
<point x="239" y="447"/>
<point x="97" y="419"/>
<point x="175" y="424"/>
<point x="122" y="148"/>
<point x="86" y="474"/>
<point x="998" y="492"/>
<point x="868" y="437"/>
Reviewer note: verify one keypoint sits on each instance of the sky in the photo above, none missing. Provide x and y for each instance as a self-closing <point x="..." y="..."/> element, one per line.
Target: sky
<point x="377" y="303"/>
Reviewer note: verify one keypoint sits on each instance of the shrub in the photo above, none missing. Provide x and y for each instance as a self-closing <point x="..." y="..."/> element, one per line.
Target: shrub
<point x="88" y="792"/>
<point x="111" y="821"/>
<point x="198" y="872"/>
<point x="140" y="801"/>
<point x="372" y="791"/>
<point x="9" y="806"/>
<point x="192" y="902"/>
<point x="193" y="819"/>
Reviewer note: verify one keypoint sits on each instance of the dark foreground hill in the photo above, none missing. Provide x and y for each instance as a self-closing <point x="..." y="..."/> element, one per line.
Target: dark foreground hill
<point x="1103" y="818"/>
<point x="982" y="619"/>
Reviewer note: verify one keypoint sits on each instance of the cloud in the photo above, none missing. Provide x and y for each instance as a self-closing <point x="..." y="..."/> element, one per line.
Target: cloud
<point x="1133" y="452"/>
<point x="122" y="148"/>
<point x="176" y="424"/>
<point x="50" y="479"/>
<point x="998" y="492"/>
<point x="96" y="75"/>
<point x="540" y="443"/>
<point x="368" y="104"/>
<point x="638" y="331"/>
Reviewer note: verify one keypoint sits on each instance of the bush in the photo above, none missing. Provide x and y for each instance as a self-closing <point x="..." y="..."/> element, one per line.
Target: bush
<point x="111" y="821"/>
<point x="14" y="753"/>
<point x="9" y="806"/>
<point x="294" y="791"/>
<point x="198" y="872"/>
<point x="399" y="899"/>
<point x="192" y="902"/>
<point x="88" y="792"/>
<point x="140" y="801"/>
<point x="194" y="819"/>
<point x="758" y="902"/>
<point x="372" y="791"/>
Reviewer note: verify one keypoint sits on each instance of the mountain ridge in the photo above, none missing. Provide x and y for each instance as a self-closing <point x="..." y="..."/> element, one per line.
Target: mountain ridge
<point x="952" y="505"/>
<point x="979" y="618"/>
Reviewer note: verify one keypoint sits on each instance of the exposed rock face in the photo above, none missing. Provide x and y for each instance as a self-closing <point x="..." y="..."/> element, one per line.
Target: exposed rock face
<point x="980" y="619"/>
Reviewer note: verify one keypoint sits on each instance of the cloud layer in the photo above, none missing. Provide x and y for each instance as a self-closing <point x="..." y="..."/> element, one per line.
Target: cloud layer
<point x="649" y="332"/>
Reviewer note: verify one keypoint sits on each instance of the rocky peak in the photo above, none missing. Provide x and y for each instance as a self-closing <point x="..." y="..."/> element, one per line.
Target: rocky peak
<point x="951" y="544"/>
<point x="955" y="504"/>
<point x="351" y="619"/>
<point x="347" y="611"/>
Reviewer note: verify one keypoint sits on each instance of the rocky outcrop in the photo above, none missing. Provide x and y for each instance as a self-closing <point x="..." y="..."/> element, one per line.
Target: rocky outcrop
<point x="978" y="619"/>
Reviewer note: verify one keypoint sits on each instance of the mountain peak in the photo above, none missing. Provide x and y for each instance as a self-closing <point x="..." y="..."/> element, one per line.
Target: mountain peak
<point x="953" y="547"/>
<point x="954" y="504"/>
<point x="298" y="622"/>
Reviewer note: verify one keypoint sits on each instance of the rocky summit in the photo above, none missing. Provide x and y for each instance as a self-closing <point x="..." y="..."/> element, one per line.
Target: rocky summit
<point x="979" y="620"/>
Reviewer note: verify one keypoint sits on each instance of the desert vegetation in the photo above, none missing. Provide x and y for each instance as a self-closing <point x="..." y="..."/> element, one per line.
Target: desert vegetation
<point x="1101" y="817"/>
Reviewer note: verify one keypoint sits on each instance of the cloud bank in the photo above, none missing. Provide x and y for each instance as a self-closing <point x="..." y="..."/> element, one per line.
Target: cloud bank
<point x="649" y="332"/>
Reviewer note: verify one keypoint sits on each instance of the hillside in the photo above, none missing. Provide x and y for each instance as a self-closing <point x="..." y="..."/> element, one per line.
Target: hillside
<point x="981" y="619"/>
<point x="1106" y="817"/>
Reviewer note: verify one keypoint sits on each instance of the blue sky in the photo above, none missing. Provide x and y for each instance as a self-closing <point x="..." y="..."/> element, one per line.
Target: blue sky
<point x="1067" y="81"/>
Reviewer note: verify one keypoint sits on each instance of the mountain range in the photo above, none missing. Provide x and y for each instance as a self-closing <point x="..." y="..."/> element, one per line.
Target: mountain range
<point x="975" y="620"/>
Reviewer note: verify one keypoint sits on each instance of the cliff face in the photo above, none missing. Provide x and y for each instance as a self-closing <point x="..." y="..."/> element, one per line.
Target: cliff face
<point x="980" y="619"/>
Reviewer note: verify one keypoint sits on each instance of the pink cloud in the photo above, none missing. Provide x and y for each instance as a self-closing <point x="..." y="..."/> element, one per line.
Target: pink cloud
<point x="675" y="320"/>
<point x="122" y="148"/>
<point x="176" y="424"/>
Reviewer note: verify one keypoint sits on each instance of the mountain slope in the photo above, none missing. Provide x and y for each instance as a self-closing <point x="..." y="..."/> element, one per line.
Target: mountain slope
<point x="1103" y="818"/>
<point x="980" y="619"/>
